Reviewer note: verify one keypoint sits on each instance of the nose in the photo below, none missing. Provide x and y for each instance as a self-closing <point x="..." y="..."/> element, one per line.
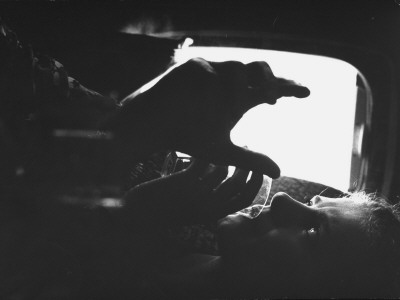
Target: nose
<point x="288" y="212"/>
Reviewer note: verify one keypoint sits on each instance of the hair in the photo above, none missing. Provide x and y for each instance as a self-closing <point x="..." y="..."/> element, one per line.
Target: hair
<point x="380" y="270"/>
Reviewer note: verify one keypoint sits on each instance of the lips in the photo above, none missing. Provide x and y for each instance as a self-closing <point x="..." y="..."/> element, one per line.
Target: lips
<point x="232" y="219"/>
<point x="238" y="218"/>
<point x="238" y="235"/>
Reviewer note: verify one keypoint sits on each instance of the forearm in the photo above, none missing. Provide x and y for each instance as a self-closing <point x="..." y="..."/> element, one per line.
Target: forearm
<point x="68" y="106"/>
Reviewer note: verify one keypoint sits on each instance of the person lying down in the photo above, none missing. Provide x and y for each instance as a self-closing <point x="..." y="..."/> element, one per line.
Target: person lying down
<point x="344" y="247"/>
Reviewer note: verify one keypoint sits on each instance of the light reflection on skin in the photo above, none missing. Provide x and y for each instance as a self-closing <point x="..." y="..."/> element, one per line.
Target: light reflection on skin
<point x="290" y="240"/>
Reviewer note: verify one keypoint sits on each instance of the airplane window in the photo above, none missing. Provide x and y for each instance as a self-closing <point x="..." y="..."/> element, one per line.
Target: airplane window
<point x="310" y="138"/>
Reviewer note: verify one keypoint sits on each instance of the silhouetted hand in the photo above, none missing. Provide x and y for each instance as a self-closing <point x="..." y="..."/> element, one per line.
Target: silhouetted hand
<point x="197" y="195"/>
<point x="193" y="108"/>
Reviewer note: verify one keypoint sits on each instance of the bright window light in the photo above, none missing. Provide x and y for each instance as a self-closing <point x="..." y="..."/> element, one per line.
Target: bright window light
<point x="309" y="138"/>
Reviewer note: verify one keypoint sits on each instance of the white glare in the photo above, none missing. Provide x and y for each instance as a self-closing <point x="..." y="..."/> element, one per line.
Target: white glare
<point x="309" y="138"/>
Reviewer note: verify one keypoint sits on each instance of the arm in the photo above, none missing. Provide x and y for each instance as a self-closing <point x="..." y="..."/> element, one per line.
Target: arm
<point x="192" y="108"/>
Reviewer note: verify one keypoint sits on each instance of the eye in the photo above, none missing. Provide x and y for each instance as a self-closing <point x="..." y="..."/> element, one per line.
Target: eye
<point x="309" y="203"/>
<point x="312" y="231"/>
<point x="312" y="235"/>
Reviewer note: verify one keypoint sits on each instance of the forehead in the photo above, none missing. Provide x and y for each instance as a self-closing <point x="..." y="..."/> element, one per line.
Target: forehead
<point x="344" y="202"/>
<point x="345" y="221"/>
<point x="343" y="208"/>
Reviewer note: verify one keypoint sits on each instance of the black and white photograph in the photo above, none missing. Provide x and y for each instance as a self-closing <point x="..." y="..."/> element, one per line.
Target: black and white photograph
<point x="199" y="149"/>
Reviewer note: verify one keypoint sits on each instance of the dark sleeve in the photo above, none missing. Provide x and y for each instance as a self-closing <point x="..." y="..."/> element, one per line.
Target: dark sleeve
<point x="64" y="101"/>
<point x="34" y="85"/>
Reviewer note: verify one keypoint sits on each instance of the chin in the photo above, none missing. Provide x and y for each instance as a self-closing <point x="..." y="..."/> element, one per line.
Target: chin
<point x="234" y="231"/>
<point x="234" y="219"/>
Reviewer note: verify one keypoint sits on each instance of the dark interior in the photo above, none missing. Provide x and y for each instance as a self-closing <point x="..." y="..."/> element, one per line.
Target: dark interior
<point x="86" y="37"/>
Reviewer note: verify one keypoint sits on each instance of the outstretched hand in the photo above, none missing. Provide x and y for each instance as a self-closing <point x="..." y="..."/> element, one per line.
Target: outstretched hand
<point x="193" y="108"/>
<point x="197" y="195"/>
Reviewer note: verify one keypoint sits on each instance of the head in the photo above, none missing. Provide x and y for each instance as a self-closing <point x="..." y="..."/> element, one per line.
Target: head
<point x="344" y="247"/>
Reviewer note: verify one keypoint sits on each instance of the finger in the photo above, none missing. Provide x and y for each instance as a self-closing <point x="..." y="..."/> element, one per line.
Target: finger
<point x="240" y="174"/>
<point x="264" y="87"/>
<point x="197" y="167"/>
<point x="232" y="185"/>
<point x="289" y="88"/>
<point x="245" y="197"/>
<point x="208" y="175"/>
<point x="230" y="154"/>
<point x="257" y="72"/>
<point x="214" y="176"/>
<point x="282" y="88"/>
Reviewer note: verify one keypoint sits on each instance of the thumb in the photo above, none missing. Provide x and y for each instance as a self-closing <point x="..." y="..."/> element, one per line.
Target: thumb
<point x="230" y="154"/>
<point x="290" y="88"/>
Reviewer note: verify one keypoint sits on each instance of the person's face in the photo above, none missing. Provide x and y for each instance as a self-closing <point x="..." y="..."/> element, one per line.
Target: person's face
<point x="292" y="245"/>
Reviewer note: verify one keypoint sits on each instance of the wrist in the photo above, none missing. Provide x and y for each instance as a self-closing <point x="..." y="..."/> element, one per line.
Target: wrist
<point x="137" y="129"/>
